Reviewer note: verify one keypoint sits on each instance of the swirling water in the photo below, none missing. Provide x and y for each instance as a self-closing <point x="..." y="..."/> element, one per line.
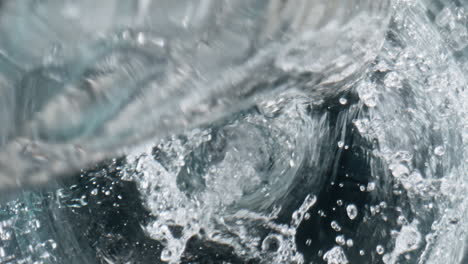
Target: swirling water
<point x="170" y="71"/>
<point x="325" y="136"/>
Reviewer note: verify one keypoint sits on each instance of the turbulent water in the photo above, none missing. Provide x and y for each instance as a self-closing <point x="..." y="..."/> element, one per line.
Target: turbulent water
<point x="234" y="131"/>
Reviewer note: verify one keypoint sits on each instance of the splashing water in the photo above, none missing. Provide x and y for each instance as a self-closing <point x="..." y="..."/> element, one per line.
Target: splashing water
<point x="151" y="67"/>
<point x="336" y="141"/>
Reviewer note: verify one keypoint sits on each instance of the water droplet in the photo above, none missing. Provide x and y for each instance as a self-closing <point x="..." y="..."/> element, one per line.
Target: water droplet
<point x="361" y="252"/>
<point x="291" y="163"/>
<point x="141" y="38"/>
<point x="349" y="243"/>
<point x="401" y="220"/>
<point x="271" y="243"/>
<point x="343" y="101"/>
<point x="166" y="255"/>
<point x="340" y="144"/>
<point x="94" y="192"/>
<point x="308" y="242"/>
<point x="339" y="202"/>
<point x="53" y="244"/>
<point x="335" y="226"/>
<point x="379" y="249"/>
<point x="340" y="240"/>
<point x="370" y="186"/>
<point x="37" y="223"/>
<point x="352" y="211"/>
<point x="321" y="213"/>
<point x="439" y="150"/>
<point x="374" y="209"/>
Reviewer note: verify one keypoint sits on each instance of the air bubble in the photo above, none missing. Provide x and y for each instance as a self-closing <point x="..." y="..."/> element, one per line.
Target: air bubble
<point x="335" y="226"/>
<point x="380" y="250"/>
<point x="166" y="255"/>
<point x="401" y="220"/>
<point x="340" y="240"/>
<point x="271" y="243"/>
<point x="352" y="211"/>
<point x="341" y="144"/>
<point x="439" y="150"/>
<point x="370" y="186"/>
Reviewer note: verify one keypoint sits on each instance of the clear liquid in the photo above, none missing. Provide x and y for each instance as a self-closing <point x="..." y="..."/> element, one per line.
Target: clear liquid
<point x="85" y="90"/>
<point x="337" y="163"/>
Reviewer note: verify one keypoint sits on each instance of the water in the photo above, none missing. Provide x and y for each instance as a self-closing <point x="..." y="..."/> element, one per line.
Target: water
<point x="327" y="136"/>
<point x="148" y="63"/>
